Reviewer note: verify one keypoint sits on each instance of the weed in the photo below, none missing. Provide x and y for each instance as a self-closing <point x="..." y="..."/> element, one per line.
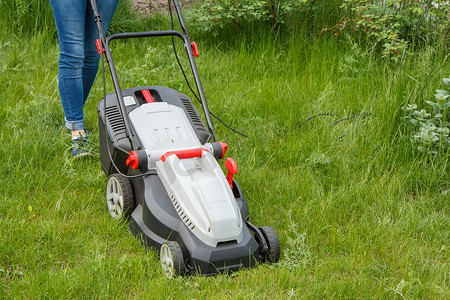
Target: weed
<point x="296" y="253"/>
<point x="431" y="129"/>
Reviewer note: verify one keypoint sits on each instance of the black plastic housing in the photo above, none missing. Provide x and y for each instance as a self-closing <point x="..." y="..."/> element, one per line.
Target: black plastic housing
<point x="155" y="221"/>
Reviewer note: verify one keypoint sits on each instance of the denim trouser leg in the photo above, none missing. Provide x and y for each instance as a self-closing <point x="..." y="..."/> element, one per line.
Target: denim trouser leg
<point x="78" y="62"/>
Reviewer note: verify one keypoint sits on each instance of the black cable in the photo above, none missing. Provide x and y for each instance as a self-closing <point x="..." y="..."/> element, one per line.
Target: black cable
<point x="152" y="172"/>
<point x="227" y="126"/>
<point x="353" y="123"/>
<point x="312" y="117"/>
<point x="354" y="117"/>
<point x="187" y="81"/>
<point x="351" y="117"/>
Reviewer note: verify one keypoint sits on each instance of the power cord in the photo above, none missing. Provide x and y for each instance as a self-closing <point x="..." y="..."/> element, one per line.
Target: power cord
<point x="153" y="172"/>
<point x="318" y="115"/>
<point x="354" y="117"/>
<point x="229" y="127"/>
<point x="187" y="81"/>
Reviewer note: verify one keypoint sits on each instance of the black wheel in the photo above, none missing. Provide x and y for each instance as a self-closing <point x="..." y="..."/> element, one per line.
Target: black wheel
<point x="119" y="196"/>
<point x="273" y="243"/>
<point x="171" y="258"/>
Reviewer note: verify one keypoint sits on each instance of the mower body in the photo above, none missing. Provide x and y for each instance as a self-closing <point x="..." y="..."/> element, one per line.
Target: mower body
<point x="163" y="170"/>
<point x="183" y="199"/>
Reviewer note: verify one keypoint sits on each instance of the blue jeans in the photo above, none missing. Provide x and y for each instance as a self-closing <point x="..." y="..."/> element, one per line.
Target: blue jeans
<point x="78" y="60"/>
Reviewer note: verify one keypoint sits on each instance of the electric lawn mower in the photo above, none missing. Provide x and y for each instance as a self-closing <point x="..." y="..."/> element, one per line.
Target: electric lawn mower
<point x="163" y="172"/>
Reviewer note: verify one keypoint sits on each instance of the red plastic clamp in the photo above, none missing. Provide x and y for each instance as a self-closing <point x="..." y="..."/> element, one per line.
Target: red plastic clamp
<point x="224" y="148"/>
<point x="194" y="49"/>
<point x="232" y="168"/>
<point x="99" y="47"/>
<point x="133" y="160"/>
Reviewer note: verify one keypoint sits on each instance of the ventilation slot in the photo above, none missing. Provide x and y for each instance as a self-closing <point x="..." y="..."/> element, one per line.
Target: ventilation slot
<point x="115" y="119"/>
<point x="181" y="213"/>
<point x="190" y="108"/>
<point x="227" y="243"/>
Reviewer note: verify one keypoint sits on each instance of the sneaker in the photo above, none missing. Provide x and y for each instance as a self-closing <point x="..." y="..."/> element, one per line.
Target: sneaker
<point x="80" y="146"/>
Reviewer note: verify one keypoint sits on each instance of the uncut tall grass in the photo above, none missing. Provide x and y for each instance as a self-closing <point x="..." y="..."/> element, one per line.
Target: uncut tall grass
<point x="359" y="216"/>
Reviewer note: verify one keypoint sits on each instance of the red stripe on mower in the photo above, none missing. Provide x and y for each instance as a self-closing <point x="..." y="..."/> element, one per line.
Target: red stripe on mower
<point x="147" y="96"/>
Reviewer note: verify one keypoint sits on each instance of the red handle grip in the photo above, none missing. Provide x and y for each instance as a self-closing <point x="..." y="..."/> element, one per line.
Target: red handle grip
<point x="181" y="154"/>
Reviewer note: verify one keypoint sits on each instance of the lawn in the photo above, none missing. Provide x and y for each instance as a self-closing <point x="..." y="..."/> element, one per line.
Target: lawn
<point x="359" y="212"/>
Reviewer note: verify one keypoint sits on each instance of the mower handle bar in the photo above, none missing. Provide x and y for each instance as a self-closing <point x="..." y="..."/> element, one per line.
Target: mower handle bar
<point x="190" y="55"/>
<point x="173" y="33"/>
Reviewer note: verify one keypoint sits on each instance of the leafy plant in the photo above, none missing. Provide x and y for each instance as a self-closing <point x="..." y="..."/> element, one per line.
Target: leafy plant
<point x="432" y="129"/>
<point x="297" y="253"/>
<point x="395" y="25"/>
<point x="214" y="15"/>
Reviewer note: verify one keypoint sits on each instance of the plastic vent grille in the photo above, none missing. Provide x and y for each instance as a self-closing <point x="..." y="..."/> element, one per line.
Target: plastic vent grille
<point x="192" y="112"/>
<point x="181" y="213"/>
<point x="115" y="119"/>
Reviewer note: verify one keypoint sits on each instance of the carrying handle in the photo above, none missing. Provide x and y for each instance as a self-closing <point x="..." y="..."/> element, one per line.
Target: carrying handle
<point x="182" y="154"/>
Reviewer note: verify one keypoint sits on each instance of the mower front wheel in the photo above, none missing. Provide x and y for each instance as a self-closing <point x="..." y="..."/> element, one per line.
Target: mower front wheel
<point x="119" y="196"/>
<point x="271" y="237"/>
<point x="171" y="257"/>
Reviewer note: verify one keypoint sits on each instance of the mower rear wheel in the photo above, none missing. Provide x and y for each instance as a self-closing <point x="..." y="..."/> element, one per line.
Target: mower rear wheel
<point x="273" y="243"/>
<point x="171" y="258"/>
<point x="119" y="196"/>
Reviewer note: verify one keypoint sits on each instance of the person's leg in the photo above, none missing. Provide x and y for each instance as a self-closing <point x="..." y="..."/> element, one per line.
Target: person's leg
<point x="106" y="9"/>
<point x="70" y="21"/>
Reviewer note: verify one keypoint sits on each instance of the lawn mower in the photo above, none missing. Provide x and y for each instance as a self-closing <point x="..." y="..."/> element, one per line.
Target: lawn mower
<point x="163" y="170"/>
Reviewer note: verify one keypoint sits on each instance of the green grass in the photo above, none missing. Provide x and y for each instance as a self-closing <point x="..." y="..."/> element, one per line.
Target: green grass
<point x="361" y="216"/>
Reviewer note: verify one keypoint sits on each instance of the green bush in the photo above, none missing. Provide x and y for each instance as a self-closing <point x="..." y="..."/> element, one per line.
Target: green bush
<point x="213" y="15"/>
<point x="395" y="26"/>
